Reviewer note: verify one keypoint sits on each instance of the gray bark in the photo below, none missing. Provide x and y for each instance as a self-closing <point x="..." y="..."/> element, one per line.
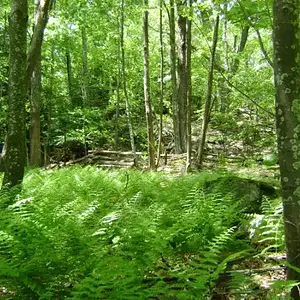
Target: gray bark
<point x="49" y="111"/>
<point x="260" y="41"/>
<point x="287" y="95"/>
<point x="117" y="114"/>
<point x="175" y="108"/>
<point x="35" y="158"/>
<point x="263" y="49"/>
<point x="70" y="78"/>
<point x="161" y="42"/>
<point x="15" y="156"/>
<point x="151" y="158"/>
<point x="34" y="66"/>
<point x="207" y="109"/>
<point x="181" y="75"/>
<point x="189" y="93"/>
<point x="35" y="47"/>
<point x="128" y="111"/>
<point x="85" y="69"/>
<point x="242" y="45"/>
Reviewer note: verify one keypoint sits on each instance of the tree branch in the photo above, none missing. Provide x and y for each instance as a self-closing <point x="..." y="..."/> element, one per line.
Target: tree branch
<point x="263" y="49"/>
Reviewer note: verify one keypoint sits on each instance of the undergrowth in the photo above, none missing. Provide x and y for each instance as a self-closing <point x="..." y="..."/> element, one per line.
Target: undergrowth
<point x="85" y="233"/>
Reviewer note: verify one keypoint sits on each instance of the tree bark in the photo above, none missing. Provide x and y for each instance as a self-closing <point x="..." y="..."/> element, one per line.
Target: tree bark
<point x="175" y="108"/>
<point x="206" y="115"/>
<point x="242" y="45"/>
<point x="70" y="77"/>
<point x="85" y="69"/>
<point x="263" y="49"/>
<point x="49" y="111"/>
<point x="35" y="47"/>
<point x="35" y="158"/>
<point x="189" y="91"/>
<point x="260" y="41"/>
<point x="287" y="95"/>
<point x="151" y="158"/>
<point x="117" y="114"/>
<point x="181" y="75"/>
<point x="41" y="18"/>
<point x="15" y="156"/>
<point x="161" y="100"/>
<point x="128" y="111"/>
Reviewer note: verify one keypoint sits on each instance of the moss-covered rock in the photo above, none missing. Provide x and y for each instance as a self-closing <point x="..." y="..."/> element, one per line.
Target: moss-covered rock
<point x="248" y="192"/>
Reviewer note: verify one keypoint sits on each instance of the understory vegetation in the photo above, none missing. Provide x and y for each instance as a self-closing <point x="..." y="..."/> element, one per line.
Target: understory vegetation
<point x="87" y="233"/>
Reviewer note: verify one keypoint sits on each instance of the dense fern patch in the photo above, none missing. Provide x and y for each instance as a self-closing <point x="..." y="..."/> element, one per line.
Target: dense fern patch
<point x="85" y="233"/>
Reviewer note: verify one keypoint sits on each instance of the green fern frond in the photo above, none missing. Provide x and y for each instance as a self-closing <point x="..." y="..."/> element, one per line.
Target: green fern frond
<point x="190" y="198"/>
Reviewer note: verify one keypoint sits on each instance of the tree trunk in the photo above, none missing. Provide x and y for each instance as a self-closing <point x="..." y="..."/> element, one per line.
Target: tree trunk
<point x="242" y="45"/>
<point x="263" y="49"/>
<point x="35" y="47"/>
<point x="34" y="66"/>
<point x="181" y="74"/>
<point x="287" y="95"/>
<point x="223" y="90"/>
<point x="175" y="108"/>
<point x="15" y="155"/>
<point x="207" y="109"/>
<point x="49" y="112"/>
<point x="128" y="111"/>
<point x="161" y="42"/>
<point x="189" y="91"/>
<point x="117" y="114"/>
<point x="35" y="158"/>
<point x="260" y="41"/>
<point x="85" y="69"/>
<point x="148" y="108"/>
<point x="70" y="78"/>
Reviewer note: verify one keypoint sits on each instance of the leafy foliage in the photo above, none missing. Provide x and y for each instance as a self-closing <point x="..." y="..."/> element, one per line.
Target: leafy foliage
<point x="267" y="228"/>
<point x="81" y="233"/>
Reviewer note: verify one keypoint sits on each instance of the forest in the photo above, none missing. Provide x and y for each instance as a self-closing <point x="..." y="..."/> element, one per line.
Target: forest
<point x="149" y="149"/>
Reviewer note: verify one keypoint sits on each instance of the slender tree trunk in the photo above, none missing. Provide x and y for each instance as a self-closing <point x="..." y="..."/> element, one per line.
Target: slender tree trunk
<point x="49" y="112"/>
<point x="189" y="91"/>
<point x="35" y="47"/>
<point x="85" y="69"/>
<point x="242" y="45"/>
<point x="223" y="90"/>
<point x="225" y="39"/>
<point x="148" y="108"/>
<point x="15" y="155"/>
<point x="181" y="74"/>
<point x="35" y="158"/>
<point x="175" y="108"/>
<point x="41" y="18"/>
<point x="119" y="65"/>
<point x="207" y="109"/>
<point x="3" y="85"/>
<point x="117" y="114"/>
<point x="260" y="41"/>
<point x="70" y="77"/>
<point x="263" y="49"/>
<point x="161" y="42"/>
<point x="128" y="111"/>
<point x="287" y="94"/>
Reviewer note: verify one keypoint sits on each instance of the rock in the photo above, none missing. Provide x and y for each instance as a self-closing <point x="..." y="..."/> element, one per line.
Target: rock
<point x="248" y="192"/>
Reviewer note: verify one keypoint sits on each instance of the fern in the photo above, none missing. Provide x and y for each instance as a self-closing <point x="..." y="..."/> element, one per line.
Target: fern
<point x="80" y="233"/>
<point x="267" y="229"/>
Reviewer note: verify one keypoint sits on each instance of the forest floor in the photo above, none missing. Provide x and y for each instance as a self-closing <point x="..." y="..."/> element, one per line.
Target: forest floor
<point x="154" y="218"/>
